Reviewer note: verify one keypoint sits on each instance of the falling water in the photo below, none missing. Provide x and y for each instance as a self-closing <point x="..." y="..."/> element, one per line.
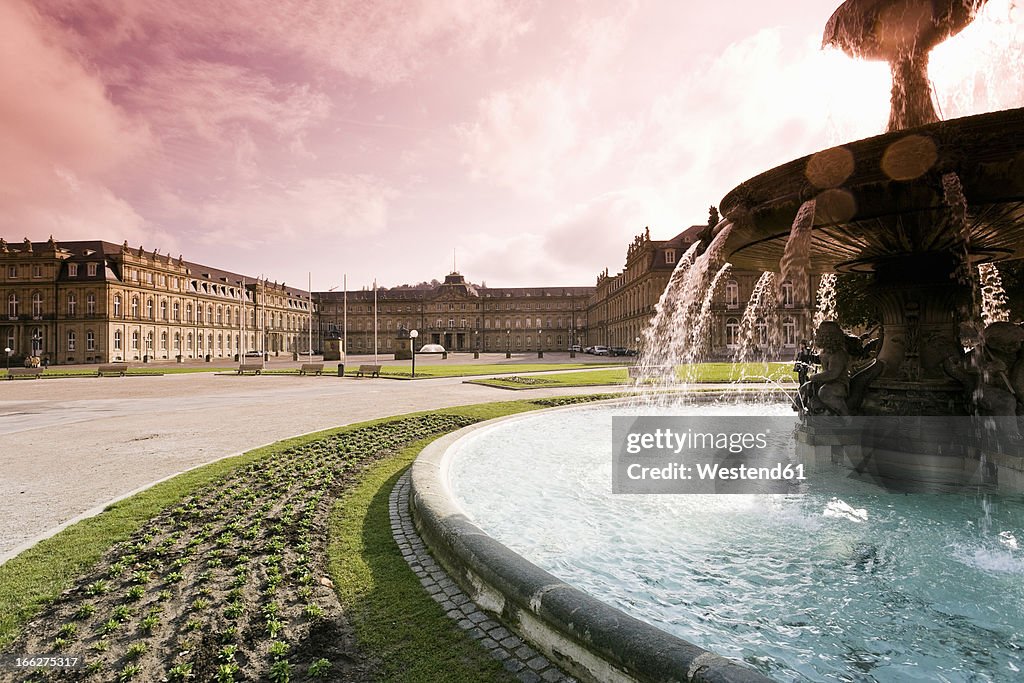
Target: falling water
<point x="795" y="265"/>
<point x="993" y="297"/>
<point x="678" y="332"/>
<point x="954" y="196"/>
<point x="758" y="329"/>
<point x="825" y="301"/>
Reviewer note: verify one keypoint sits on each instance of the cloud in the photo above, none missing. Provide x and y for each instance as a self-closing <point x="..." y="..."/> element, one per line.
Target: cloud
<point x="61" y="139"/>
<point x="302" y="212"/>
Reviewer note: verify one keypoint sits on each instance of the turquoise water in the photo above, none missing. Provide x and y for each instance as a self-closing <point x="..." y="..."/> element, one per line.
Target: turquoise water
<point x="843" y="583"/>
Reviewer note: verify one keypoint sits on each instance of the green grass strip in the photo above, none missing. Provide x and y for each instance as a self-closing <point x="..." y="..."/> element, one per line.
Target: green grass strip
<point x="38" y="575"/>
<point x="468" y="370"/>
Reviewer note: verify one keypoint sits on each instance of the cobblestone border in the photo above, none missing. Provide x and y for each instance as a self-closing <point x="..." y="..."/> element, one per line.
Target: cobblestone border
<point x="518" y="658"/>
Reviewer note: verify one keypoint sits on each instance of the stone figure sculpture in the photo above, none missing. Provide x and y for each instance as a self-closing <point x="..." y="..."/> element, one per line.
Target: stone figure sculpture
<point x="993" y="373"/>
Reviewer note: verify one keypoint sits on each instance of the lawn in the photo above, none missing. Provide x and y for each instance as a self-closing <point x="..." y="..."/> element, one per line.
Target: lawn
<point x="468" y="370"/>
<point x="702" y="373"/>
<point x="221" y="572"/>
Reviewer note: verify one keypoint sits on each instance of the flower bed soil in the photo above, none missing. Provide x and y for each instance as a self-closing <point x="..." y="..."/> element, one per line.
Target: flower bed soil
<point x="229" y="584"/>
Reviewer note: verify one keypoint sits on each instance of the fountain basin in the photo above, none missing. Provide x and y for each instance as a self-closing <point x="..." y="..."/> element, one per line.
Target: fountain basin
<point x="843" y="581"/>
<point x="882" y="197"/>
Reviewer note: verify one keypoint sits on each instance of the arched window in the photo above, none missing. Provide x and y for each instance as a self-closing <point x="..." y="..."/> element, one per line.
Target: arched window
<point x="732" y="294"/>
<point x="149" y="308"/>
<point x="37" y="305"/>
<point x="199" y="314"/>
<point x="188" y="312"/>
<point x="209" y="313"/>
<point x="220" y="316"/>
<point x="199" y="341"/>
<point x="72" y="340"/>
<point x="117" y="305"/>
<point x="149" y="341"/>
<point x="72" y="303"/>
<point x="762" y="332"/>
<point x="163" y="341"/>
<point x="732" y="332"/>
<point x="90" y="304"/>
<point x="135" y="341"/>
<point x="117" y="340"/>
<point x="177" y="341"/>
<point x="188" y="341"/>
<point x="90" y="340"/>
<point x="135" y="307"/>
<point x="163" y="309"/>
<point x="176" y="311"/>
<point x="12" y="305"/>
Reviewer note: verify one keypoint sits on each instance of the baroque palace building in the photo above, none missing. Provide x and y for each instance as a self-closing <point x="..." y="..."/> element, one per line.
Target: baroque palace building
<point x="93" y="302"/>
<point x="459" y="316"/>
<point x="622" y="305"/>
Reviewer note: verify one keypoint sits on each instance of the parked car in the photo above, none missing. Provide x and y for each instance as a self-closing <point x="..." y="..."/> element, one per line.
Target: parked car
<point x="601" y="351"/>
<point x="618" y="351"/>
<point x="588" y="349"/>
<point x="576" y="347"/>
<point x="632" y="352"/>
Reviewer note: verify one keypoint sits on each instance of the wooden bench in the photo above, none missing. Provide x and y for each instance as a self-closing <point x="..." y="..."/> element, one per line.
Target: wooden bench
<point x="119" y="369"/>
<point x="255" y="368"/>
<point x="311" y="369"/>
<point x="371" y="370"/>
<point x="31" y="373"/>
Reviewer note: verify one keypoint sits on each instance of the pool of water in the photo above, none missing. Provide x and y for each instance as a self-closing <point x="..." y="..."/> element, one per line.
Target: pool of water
<point x="845" y="582"/>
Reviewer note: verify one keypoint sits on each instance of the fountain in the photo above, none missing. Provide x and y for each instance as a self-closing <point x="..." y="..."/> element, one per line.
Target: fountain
<point x="844" y="582"/>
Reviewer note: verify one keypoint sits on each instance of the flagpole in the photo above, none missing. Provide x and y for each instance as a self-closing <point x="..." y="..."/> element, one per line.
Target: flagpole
<point x="310" y="317"/>
<point x="241" y="347"/>
<point x="374" y="321"/>
<point x="344" y="318"/>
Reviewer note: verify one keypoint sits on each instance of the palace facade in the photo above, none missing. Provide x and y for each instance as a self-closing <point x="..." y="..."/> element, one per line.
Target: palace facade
<point x="623" y="304"/>
<point x="459" y="316"/>
<point x="94" y="302"/>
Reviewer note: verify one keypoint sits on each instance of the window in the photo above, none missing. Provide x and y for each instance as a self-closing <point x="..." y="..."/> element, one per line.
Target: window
<point x="209" y="314"/>
<point x="163" y="310"/>
<point x="72" y="270"/>
<point x="789" y="332"/>
<point x="451" y="322"/>
<point x="188" y="341"/>
<point x="10" y="339"/>
<point x="149" y="308"/>
<point x="37" y="270"/>
<point x="135" y="307"/>
<point x="762" y="331"/>
<point x="90" y="341"/>
<point x="732" y="332"/>
<point x="220" y="315"/>
<point x="90" y="304"/>
<point x="90" y="269"/>
<point x="199" y="314"/>
<point x="117" y="340"/>
<point x="732" y="294"/>
<point x="71" y="340"/>
<point x="72" y="303"/>
<point x="37" y="305"/>
<point x="188" y="313"/>
<point x="149" y="342"/>
<point x="670" y="256"/>
<point x="12" y="305"/>
<point x="117" y="305"/>
<point x="787" y="294"/>
<point x="163" y="341"/>
<point x="37" y="341"/>
<point x="177" y="311"/>
<point x="135" y="341"/>
<point x="12" y="272"/>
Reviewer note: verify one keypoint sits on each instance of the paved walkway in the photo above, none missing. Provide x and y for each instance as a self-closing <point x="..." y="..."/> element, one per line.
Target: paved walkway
<point x="70" y="446"/>
<point x="518" y="657"/>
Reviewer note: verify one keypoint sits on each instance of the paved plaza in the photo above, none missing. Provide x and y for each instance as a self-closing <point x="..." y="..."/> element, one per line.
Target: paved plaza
<point x="70" y="446"/>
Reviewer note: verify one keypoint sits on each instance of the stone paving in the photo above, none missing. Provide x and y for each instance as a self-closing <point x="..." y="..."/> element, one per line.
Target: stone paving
<point x="518" y="657"/>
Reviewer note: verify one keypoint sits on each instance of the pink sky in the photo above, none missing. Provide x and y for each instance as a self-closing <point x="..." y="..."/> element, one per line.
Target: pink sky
<point x="535" y="138"/>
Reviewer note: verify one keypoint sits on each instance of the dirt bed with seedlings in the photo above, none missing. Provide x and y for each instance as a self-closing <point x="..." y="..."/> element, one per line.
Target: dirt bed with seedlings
<point x="230" y="583"/>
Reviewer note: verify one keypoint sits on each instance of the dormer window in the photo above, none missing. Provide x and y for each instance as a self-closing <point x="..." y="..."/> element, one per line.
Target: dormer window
<point x="670" y="256"/>
<point x="72" y="270"/>
<point x="90" y="269"/>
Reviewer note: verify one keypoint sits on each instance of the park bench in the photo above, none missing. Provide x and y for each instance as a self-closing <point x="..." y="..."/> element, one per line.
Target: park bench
<point x="371" y="370"/>
<point x="311" y="369"/>
<point x="31" y="373"/>
<point x="119" y="369"/>
<point x="255" y="368"/>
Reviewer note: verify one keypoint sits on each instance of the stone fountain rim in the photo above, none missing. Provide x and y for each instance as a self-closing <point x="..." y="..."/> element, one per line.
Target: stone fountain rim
<point x="584" y="635"/>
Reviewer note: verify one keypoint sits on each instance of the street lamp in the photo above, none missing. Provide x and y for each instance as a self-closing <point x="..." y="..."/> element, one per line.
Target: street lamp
<point x="412" y="344"/>
<point x="636" y="345"/>
<point x="476" y="343"/>
<point x="508" y="343"/>
<point x="572" y="342"/>
<point x="8" y="350"/>
<point x="540" y="347"/>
